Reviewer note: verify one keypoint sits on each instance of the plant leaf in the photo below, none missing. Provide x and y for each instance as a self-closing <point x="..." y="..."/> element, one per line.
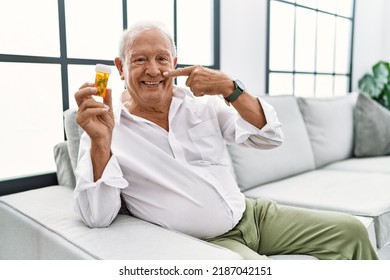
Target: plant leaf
<point x="381" y="72"/>
<point x="369" y="85"/>
<point x="378" y="84"/>
<point x="386" y="96"/>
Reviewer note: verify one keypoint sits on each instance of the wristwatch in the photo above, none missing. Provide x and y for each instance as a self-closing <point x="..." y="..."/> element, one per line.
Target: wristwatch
<point x="239" y="88"/>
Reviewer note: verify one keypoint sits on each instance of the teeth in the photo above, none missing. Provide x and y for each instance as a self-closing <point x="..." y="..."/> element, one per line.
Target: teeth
<point x="151" y="83"/>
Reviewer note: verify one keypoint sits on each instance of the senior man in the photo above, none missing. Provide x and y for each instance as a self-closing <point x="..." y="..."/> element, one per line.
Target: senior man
<point x="164" y="153"/>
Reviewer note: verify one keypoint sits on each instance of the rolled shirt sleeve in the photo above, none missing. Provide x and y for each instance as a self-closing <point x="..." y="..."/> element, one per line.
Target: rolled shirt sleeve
<point x="270" y="136"/>
<point x="238" y="131"/>
<point x="97" y="203"/>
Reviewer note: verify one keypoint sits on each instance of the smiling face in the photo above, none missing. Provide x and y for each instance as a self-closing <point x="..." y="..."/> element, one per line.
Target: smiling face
<point x="147" y="57"/>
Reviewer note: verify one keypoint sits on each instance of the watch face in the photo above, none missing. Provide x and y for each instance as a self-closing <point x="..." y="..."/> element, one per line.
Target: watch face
<point x="240" y="85"/>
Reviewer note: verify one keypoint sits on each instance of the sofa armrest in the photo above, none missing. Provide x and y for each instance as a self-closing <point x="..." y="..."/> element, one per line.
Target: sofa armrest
<point x="58" y="232"/>
<point x="131" y="238"/>
<point x="65" y="175"/>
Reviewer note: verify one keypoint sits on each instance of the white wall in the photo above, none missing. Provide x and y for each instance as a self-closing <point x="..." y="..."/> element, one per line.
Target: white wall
<point x="372" y="36"/>
<point x="386" y="12"/>
<point x="243" y="39"/>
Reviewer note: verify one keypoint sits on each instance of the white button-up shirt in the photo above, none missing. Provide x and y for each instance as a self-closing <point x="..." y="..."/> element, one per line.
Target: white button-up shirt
<point x="180" y="179"/>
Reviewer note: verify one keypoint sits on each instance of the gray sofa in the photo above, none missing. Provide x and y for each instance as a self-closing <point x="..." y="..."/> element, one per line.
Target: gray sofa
<point x="316" y="167"/>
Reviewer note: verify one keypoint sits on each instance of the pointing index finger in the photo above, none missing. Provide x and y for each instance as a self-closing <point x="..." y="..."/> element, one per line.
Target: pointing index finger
<point x="185" y="71"/>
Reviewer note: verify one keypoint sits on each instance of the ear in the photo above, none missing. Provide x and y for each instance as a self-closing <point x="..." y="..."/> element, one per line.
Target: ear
<point x="119" y="66"/>
<point x="174" y="62"/>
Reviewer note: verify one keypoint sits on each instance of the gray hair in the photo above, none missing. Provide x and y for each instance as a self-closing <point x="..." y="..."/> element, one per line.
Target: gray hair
<point x="129" y="34"/>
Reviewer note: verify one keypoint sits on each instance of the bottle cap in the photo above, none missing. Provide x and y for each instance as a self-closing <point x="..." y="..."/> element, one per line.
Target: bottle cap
<point x="103" y="68"/>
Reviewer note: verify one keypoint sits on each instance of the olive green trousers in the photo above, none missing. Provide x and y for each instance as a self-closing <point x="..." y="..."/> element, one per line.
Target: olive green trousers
<point x="267" y="228"/>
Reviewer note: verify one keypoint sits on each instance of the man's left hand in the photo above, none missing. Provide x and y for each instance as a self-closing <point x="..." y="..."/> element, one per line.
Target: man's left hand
<point x="204" y="81"/>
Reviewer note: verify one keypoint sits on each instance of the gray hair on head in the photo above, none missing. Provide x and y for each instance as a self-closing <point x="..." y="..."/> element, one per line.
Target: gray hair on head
<point x="129" y="34"/>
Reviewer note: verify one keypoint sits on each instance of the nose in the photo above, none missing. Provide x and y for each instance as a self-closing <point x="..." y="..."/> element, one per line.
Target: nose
<point x="153" y="69"/>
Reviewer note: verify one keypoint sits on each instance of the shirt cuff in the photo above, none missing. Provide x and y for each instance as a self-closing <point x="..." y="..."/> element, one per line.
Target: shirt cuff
<point x="244" y="129"/>
<point x="112" y="175"/>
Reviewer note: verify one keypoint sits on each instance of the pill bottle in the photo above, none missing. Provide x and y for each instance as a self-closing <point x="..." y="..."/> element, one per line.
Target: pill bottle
<point x="101" y="79"/>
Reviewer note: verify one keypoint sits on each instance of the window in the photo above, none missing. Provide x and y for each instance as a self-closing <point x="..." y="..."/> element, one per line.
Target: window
<point x="46" y="55"/>
<point x="310" y="47"/>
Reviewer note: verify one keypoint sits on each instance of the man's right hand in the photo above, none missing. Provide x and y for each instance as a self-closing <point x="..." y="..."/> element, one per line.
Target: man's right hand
<point x="97" y="119"/>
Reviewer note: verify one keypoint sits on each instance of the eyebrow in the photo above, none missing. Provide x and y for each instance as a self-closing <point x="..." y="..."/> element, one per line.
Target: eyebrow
<point x="142" y="52"/>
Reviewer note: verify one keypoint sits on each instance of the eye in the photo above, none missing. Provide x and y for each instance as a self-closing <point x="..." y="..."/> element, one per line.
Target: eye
<point x="163" y="59"/>
<point x="139" y="60"/>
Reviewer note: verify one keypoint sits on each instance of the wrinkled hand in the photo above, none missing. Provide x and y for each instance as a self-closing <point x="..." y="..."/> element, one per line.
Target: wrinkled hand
<point x="204" y="81"/>
<point x="96" y="118"/>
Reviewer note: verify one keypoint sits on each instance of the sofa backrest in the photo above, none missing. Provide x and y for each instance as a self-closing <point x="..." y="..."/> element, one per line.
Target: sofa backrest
<point x="65" y="173"/>
<point x="330" y="125"/>
<point x="254" y="167"/>
<point x="66" y="152"/>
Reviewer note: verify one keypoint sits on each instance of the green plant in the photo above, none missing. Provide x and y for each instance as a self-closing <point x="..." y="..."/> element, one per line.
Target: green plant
<point x="377" y="85"/>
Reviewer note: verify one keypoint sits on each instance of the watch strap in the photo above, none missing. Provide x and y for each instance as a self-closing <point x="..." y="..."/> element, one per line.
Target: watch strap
<point x="236" y="93"/>
<point x="232" y="97"/>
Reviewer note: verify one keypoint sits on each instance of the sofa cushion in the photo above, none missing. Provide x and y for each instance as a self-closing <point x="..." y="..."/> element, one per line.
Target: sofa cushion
<point x="254" y="167"/>
<point x="372" y="128"/>
<point x="329" y="122"/>
<point x="73" y="133"/>
<point x="369" y="164"/>
<point x="356" y="193"/>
